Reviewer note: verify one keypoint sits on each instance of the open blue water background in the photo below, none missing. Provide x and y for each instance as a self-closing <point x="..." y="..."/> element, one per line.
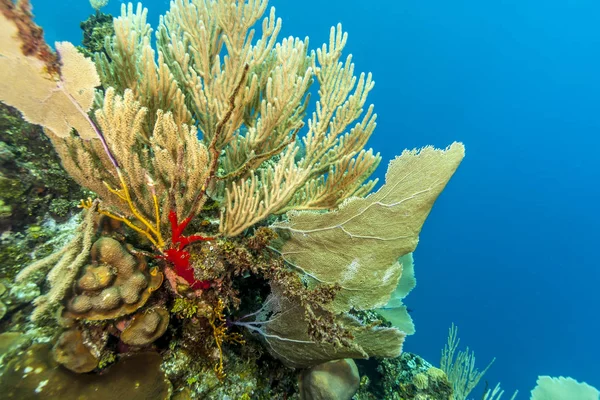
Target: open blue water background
<point x="510" y="251"/>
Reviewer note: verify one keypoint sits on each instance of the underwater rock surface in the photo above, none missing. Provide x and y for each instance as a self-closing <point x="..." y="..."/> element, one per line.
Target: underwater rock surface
<point x="337" y="379"/>
<point x="35" y="375"/>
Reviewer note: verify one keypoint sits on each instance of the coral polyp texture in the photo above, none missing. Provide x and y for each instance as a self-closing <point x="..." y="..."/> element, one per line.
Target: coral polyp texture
<point x="227" y="222"/>
<point x="115" y="284"/>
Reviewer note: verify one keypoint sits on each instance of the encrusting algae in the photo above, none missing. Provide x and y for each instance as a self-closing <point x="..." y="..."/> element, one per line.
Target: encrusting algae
<point x="207" y="244"/>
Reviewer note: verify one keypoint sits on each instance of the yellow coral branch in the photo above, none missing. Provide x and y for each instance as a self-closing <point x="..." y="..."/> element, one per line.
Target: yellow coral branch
<point x="220" y="335"/>
<point x="151" y="229"/>
<point x="126" y="221"/>
<point x="150" y="183"/>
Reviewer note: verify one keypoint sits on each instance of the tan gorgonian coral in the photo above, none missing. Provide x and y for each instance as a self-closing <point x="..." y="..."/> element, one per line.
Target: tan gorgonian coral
<point x="361" y="247"/>
<point x="170" y="159"/>
<point x="30" y="81"/>
<point x="370" y="234"/>
<point x="248" y="100"/>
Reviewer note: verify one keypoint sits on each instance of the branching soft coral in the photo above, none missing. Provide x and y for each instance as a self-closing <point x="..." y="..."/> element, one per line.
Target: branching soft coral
<point x="178" y="256"/>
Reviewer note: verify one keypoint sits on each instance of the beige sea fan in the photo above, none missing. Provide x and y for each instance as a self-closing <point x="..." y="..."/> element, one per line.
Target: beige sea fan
<point x="359" y="244"/>
<point x="56" y="96"/>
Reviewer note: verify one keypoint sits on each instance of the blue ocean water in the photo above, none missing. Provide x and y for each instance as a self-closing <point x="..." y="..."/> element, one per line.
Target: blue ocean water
<point x="509" y="251"/>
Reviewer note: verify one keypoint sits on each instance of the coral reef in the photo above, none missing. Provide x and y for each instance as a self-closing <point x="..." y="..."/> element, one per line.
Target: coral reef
<point x="404" y="377"/>
<point x="71" y="352"/>
<point x="230" y="231"/>
<point x="251" y="374"/>
<point x="95" y="30"/>
<point x="98" y="4"/>
<point x="33" y="184"/>
<point x="460" y="366"/>
<point x="3" y="308"/>
<point x="37" y="196"/>
<point x="64" y="265"/>
<point x="562" y="388"/>
<point x="19" y="248"/>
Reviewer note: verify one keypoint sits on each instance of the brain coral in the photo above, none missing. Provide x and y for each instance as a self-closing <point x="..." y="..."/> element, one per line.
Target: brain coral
<point x="116" y="283"/>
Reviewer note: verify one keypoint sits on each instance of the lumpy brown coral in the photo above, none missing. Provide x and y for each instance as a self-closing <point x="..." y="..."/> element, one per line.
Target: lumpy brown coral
<point x="116" y="283"/>
<point x="146" y="326"/>
<point x="71" y="352"/>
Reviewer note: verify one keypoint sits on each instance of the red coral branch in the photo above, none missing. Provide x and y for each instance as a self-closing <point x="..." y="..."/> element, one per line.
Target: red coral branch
<point x="177" y="255"/>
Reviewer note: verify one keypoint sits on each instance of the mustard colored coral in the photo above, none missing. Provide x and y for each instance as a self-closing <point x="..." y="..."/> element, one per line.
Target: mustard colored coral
<point x="116" y="283"/>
